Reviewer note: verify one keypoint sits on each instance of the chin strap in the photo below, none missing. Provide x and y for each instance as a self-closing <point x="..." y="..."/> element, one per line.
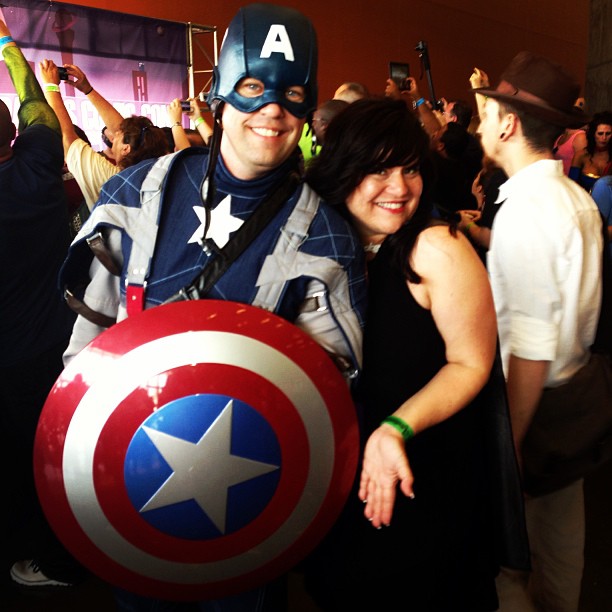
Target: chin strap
<point x="207" y="189"/>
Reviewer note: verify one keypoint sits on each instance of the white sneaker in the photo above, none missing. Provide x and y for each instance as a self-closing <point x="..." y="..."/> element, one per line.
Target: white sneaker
<point x="27" y="573"/>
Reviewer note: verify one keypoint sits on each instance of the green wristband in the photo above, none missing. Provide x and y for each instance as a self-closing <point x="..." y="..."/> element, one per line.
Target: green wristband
<point x="401" y="426"/>
<point x="198" y="121"/>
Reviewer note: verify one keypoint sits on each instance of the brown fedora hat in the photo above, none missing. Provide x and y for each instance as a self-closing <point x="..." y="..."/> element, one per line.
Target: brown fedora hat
<point x="540" y="88"/>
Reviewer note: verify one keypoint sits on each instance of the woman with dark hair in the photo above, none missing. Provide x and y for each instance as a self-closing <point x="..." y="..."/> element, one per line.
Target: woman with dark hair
<point x="429" y="346"/>
<point x="596" y="160"/>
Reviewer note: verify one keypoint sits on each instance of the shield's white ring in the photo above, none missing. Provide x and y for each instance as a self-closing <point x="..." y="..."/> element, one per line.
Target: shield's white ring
<point x="123" y="375"/>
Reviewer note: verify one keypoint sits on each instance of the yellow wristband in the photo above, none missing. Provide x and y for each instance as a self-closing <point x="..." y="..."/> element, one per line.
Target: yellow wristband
<point x="198" y="121"/>
<point x="52" y="87"/>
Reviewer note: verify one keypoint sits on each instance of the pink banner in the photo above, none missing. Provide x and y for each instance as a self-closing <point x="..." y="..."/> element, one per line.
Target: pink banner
<point x="136" y="63"/>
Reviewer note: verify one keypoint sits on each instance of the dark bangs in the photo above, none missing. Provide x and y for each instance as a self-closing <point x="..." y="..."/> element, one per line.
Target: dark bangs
<point x="366" y="137"/>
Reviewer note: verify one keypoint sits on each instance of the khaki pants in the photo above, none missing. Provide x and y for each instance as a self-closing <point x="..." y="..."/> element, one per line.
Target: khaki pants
<point x="555" y="524"/>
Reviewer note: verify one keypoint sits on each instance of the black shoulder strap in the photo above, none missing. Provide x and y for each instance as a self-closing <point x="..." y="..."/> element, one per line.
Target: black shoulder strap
<point x="248" y="231"/>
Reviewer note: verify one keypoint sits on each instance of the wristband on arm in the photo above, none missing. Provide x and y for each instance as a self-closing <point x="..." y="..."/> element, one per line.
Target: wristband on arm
<point x="401" y="426"/>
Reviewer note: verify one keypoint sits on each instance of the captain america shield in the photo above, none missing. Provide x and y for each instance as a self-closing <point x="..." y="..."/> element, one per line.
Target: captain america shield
<point x="196" y="450"/>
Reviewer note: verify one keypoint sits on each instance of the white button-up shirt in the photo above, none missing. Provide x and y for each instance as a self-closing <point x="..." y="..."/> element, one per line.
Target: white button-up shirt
<point x="545" y="269"/>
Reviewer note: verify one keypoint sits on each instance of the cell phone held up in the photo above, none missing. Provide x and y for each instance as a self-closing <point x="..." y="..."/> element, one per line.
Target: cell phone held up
<point x="399" y="73"/>
<point x="186" y="106"/>
<point x="62" y="73"/>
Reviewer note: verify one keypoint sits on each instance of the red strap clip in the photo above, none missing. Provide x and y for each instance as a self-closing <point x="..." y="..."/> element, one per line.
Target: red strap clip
<point x="134" y="299"/>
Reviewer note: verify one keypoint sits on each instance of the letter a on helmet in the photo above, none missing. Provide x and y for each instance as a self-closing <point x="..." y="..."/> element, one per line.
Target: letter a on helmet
<point x="274" y="44"/>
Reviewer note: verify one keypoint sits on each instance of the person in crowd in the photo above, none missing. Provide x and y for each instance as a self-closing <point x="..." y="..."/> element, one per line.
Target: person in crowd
<point x="595" y="160"/>
<point x="259" y="107"/>
<point x="351" y="91"/>
<point x="430" y="328"/>
<point x="177" y="137"/>
<point x="78" y="210"/>
<point x="35" y="323"/>
<point x="602" y="194"/>
<point x="180" y="136"/>
<point x="457" y="111"/>
<point x="201" y="126"/>
<point x="431" y="120"/>
<point x="325" y="112"/>
<point x="477" y="224"/>
<point x="544" y="264"/>
<point x="571" y="143"/>
<point x="107" y="140"/>
<point x="461" y="113"/>
<point x="134" y="138"/>
<point x="452" y="191"/>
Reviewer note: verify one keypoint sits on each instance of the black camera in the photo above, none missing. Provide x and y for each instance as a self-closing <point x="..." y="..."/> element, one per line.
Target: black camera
<point x="186" y="106"/>
<point x="62" y="73"/>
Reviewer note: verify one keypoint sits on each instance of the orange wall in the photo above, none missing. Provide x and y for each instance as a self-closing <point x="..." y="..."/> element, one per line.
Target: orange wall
<point x="358" y="38"/>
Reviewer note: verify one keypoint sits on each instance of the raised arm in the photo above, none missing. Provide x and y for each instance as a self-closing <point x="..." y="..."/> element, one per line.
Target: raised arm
<point x="51" y="80"/>
<point x="479" y="78"/>
<point x="426" y="115"/>
<point x="110" y="116"/>
<point x="175" y="113"/>
<point x="198" y="121"/>
<point x="33" y="107"/>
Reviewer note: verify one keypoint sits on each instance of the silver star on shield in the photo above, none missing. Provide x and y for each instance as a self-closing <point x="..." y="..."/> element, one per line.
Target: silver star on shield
<point x="203" y="471"/>
<point x="222" y="223"/>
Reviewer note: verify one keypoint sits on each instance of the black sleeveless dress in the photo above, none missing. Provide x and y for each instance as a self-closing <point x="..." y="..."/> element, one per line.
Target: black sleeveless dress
<point x="438" y="553"/>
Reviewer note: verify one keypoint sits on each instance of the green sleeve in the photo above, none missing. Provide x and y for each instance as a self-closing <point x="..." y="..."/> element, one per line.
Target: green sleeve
<point x="34" y="108"/>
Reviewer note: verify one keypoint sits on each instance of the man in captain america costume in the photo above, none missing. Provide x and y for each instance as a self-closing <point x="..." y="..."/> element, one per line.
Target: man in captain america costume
<point x="162" y="222"/>
<point x="263" y="89"/>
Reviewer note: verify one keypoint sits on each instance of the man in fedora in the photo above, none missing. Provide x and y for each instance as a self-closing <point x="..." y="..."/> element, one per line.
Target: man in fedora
<point x="545" y="269"/>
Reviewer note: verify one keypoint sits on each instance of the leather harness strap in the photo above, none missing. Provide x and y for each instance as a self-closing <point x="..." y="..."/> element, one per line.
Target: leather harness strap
<point x="85" y="311"/>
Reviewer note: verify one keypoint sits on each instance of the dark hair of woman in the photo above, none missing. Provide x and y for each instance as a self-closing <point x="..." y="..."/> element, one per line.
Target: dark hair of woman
<point x="146" y="140"/>
<point x="603" y="118"/>
<point x="368" y="136"/>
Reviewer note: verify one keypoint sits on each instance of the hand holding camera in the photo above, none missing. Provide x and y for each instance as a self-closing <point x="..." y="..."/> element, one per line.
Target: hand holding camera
<point x="79" y="80"/>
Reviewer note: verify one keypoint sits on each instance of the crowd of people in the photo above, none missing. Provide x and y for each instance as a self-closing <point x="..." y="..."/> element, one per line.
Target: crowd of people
<point x="453" y="274"/>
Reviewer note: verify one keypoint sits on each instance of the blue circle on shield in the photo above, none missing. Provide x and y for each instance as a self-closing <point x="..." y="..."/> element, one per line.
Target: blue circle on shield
<point x="202" y="466"/>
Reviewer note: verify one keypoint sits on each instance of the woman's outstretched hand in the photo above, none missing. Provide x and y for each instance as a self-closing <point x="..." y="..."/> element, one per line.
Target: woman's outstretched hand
<point x="385" y="463"/>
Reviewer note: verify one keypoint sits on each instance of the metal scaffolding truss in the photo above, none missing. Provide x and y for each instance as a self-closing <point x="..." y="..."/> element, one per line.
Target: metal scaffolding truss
<point x="201" y="58"/>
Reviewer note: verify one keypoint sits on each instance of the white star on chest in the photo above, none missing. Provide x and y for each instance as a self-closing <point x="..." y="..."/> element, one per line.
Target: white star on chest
<point x="203" y="471"/>
<point x="222" y="223"/>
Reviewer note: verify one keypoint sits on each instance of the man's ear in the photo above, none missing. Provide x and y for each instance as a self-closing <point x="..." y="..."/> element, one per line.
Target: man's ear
<point x="508" y="126"/>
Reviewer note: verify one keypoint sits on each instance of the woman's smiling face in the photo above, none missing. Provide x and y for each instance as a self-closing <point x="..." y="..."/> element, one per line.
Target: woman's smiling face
<point x="384" y="201"/>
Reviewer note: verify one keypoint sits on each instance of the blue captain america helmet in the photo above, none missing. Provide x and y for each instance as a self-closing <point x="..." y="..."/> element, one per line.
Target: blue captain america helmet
<point x="274" y="44"/>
